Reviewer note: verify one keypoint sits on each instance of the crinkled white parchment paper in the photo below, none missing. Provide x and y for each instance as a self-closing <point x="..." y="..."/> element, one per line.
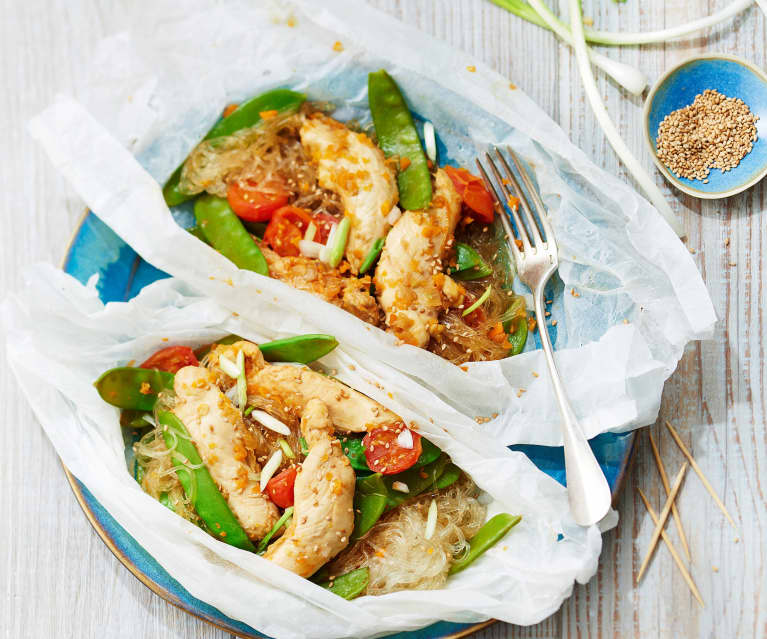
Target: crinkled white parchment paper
<point x="157" y="89"/>
<point x="61" y="338"/>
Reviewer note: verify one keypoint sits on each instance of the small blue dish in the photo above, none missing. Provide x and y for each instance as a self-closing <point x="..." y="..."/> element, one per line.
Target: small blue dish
<point x="732" y="77"/>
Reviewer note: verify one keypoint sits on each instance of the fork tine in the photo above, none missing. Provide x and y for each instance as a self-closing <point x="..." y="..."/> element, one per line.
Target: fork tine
<point x="530" y="218"/>
<point x="537" y="202"/>
<point x="521" y="230"/>
<point x="501" y="213"/>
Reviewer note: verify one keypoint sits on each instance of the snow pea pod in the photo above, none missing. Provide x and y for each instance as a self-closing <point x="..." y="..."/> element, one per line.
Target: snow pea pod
<point x="487" y="536"/>
<point x="299" y="348"/>
<point x="417" y="480"/>
<point x="246" y="115"/>
<point x="469" y="264"/>
<point x="355" y="451"/>
<point x="227" y="235"/>
<point x="349" y="585"/>
<point x="370" y="498"/>
<point x="429" y="453"/>
<point x="198" y="233"/>
<point x="518" y="337"/>
<point x="132" y="388"/>
<point x="448" y="478"/>
<point x="397" y="136"/>
<point x="199" y="486"/>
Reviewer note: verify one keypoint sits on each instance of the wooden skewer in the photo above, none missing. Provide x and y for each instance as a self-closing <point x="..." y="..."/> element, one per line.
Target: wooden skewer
<point x="674" y="554"/>
<point x="674" y="509"/>
<point x="662" y="519"/>
<point x="700" y="474"/>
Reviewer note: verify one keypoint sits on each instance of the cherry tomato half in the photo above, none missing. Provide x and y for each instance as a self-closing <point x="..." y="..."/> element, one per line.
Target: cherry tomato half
<point x="286" y="229"/>
<point x="384" y="455"/>
<point x="172" y="359"/>
<point x="256" y="203"/>
<point x="478" y="316"/>
<point x="280" y="487"/>
<point x="323" y="222"/>
<point x="473" y="193"/>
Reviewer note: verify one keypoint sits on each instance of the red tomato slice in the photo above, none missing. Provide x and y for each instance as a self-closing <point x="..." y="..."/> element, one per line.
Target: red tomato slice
<point x="477" y="316"/>
<point x="172" y="359"/>
<point x="280" y="487"/>
<point x="323" y="222"/>
<point x="286" y="229"/>
<point x="253" y="203"/>
<point x="473" y="193"/>
<point x="384" y="455"/>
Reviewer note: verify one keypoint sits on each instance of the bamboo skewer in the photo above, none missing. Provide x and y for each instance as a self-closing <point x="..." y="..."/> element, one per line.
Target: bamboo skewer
<point x="662" y="520"/>
<point x="672" y="550"/>
<point x="700" y="474"/>
<point x="674" y="509"/>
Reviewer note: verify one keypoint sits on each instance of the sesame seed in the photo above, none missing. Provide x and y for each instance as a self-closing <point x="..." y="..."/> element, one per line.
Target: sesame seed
<point x="713" y="132"/>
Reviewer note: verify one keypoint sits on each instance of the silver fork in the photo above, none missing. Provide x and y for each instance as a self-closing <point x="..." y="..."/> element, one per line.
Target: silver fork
<point x="536" y="262"/>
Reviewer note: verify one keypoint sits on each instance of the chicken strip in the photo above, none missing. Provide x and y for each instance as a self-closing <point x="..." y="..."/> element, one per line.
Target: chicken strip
<point x="294" y="386"/>
<point x="411" y="287"/>
<point x="323" y="516"/>
<point x="350" y="165"/>
<point x="226" y="446"/>
<point x="350" y="293"/>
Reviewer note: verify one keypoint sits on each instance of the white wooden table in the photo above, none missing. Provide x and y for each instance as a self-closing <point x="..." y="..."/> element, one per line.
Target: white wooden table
<point x="58" y="579"/>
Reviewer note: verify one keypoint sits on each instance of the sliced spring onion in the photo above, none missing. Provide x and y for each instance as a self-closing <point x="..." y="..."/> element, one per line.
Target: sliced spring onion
<point x="270" y="468"/>
<point x="479" y="302"/>
<point x="311" y="231"/>
<point x="394" y="215"/>
<point x="611" y="132"/>
<point x="338" y="245"/>
<point x="325" y="252"/>
<point x="242" y="383"/>
<point x="266" y="420"/>
<point x="231" y="394"/>
<point x="310" y="248"/>
<point x="372" y="255"/>
<point x="431" y="520"/>
<point x="248" y="411"/>
<point x="400" y="486"/>
<point x="150" y="419"/>
<point x="286" y="449"/>
<point x="275" y="529"/>
<point x="228" y="366"/>
<point x="405" y="438"/>
<point x="304" y="446"/>
<point x="430" y="141"/>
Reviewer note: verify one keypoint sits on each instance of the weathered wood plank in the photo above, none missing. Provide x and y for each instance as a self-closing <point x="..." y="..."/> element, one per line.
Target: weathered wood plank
<point x="59" y="578"/>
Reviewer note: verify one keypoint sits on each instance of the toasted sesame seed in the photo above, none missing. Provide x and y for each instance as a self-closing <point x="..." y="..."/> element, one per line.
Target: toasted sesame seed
<point x="713" y="132"/>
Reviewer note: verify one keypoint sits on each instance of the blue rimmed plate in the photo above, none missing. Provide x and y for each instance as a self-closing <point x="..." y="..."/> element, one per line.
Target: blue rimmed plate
<point x="95" y="249"/>
<point x="677" y="88"/>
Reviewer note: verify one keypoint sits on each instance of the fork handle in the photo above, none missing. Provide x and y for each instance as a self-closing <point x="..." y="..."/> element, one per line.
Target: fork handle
<point x="587" y="488"/>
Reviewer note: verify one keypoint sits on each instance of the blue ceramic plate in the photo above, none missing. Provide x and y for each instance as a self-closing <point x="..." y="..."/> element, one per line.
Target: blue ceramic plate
<point x="732" y="77"/>
<point x="95" y="249"/>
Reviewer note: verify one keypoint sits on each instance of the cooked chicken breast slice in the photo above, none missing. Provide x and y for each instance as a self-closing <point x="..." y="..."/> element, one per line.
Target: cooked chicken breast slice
<point x="227" y="447"/>
<point x="294" y="386"/>
<point x="410" y="284"/>
<point x="350" y="165"/>
<point x="350" y="293"/>
<point x="323" y="516"/>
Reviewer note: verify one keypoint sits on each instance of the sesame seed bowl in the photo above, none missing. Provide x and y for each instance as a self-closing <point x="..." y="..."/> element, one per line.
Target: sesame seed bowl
<point x="678" y="88"/>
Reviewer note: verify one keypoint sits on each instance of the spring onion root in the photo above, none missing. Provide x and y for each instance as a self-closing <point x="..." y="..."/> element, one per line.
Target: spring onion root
<point x="631" y="79"/>
<point x="592" y="93"/>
